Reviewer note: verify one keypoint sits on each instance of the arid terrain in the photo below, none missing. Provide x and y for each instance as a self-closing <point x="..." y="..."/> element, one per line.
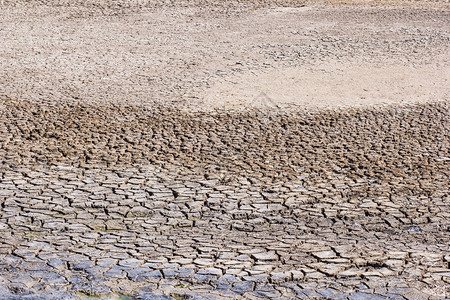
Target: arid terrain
<point x="224" y="149"/>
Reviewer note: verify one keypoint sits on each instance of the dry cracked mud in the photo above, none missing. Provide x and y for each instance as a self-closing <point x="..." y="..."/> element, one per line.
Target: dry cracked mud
<point x="224" y="150"/>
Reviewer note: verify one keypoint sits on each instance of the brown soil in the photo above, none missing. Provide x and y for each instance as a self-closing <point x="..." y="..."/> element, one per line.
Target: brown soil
<point x="303" y="142"/>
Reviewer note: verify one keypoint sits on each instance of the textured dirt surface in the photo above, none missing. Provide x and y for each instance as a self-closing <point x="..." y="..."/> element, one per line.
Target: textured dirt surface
<point x="223" y="54"/>
<point x="224" y="150"/>
<point x="350" y="203"/>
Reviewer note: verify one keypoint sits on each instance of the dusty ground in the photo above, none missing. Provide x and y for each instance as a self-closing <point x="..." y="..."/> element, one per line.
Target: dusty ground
<point x="290" y="149"/>
<point x="224" y="54"/>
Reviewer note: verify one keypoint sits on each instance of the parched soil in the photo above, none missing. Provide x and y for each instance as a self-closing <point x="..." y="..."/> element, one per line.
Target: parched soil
<point x="217" y="150"/>
<point x="270" y="144"/>
<point x="224" y="54"/>
<point x="237" y="201"/>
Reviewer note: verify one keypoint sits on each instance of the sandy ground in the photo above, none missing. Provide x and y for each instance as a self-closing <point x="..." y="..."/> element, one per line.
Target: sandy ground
<point x="225" y="54"/>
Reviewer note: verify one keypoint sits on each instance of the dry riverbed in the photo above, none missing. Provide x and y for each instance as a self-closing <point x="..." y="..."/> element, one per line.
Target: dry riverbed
<point x="222" y="149"/>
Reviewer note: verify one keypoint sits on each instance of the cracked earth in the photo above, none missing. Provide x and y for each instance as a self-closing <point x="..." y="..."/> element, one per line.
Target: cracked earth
<point x="224" y="150"/>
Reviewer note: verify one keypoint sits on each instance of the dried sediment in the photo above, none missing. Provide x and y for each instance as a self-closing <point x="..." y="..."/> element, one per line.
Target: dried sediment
<point x="127" y="164"/>
<point x="204" y="55"/>
<point x="241" y="204"/>
<point x="409" y="141"/>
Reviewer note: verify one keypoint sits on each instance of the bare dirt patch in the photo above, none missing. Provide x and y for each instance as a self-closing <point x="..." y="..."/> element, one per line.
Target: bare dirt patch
<point x="331" y="85"/>
<point x="125" y="166"/>
<point x="219" y="54"/>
